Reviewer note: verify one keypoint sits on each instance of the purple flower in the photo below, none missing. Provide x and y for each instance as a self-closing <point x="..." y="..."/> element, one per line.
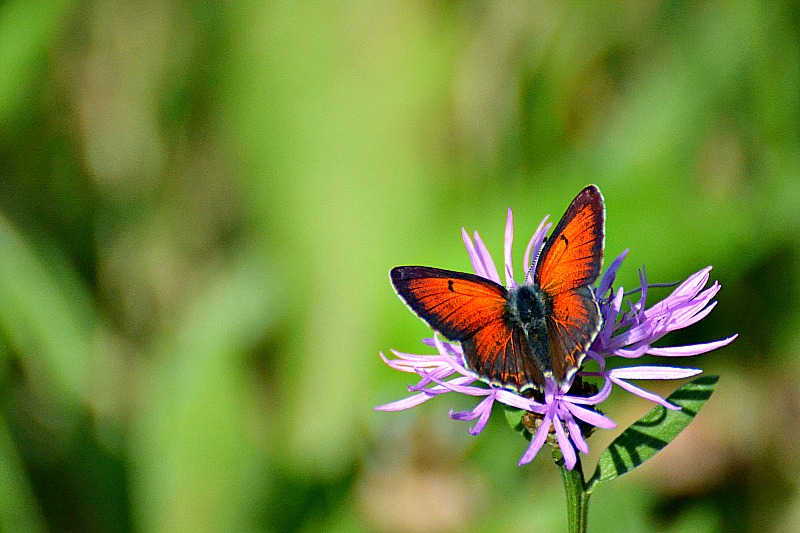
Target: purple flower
<point x="628" y="334"/>
<point x="557" y="410"/>
<point x="631" y="334"/>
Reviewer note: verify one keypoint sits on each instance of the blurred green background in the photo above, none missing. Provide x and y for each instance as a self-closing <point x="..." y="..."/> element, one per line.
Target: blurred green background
<point x="200" y="203"/>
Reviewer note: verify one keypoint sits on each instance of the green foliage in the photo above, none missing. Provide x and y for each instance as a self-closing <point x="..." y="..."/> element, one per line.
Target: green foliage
<point x="648" y="435"/>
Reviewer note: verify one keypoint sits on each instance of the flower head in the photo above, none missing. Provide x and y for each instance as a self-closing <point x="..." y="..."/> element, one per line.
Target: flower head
<point x="567" y="409"/>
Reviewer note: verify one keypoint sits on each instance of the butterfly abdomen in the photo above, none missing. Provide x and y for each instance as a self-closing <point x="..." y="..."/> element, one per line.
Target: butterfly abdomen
<point x="528" y="307"/>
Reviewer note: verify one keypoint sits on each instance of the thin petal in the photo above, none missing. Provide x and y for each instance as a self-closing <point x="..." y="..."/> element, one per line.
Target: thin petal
<point x="654" y="372"/>
<point x="486" y="259"/>
<point x="481" y="411"/>
<point x="454" y="361"/>
<point x="688" y="293"/>
<point x="416" y="359"/>
<point x="449" y="348"/>
<point x="520" y="402"/>
<point x="437" y="377"/>
<point x="632" y="353"/>
<point x="474" y="258"/>
<point x="508" y="240"/>
<point x="565" y="444"/>
<point x="610" y="314"/>
<point x="644" y="332"/>
<point x="440" y="389"/>
<point x="537" y="442"/>
<point x="406" y="403"/>
<point x="535" y="247"/>
<point x="610" y="274"/>
<point x="591" y="417"/>
<point x="689" y="288"/>
<point x="469" y="391"/>
<point x="690" y="316"/>
<point x="575" y="434"/>
<point x="601" y="396"/>
<point x="407" y="364"/>
<point x="643" y="284"/>
<point x="647" y="395"/>
<point x="691" y="349"/>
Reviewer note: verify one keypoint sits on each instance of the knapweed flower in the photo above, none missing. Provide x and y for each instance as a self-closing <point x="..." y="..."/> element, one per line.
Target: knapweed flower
<point x="567" y="411"/>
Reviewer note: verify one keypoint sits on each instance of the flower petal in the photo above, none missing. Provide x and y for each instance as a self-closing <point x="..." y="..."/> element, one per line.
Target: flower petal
<point x="520" y="402"/>
<point x="536" y="442"/>
<point x="647" y="395"/>
<point x="691" y="349"/>
<point x="591" y="417"/>
<point x="474" y="258"/>
<point x="610" y="274"/>
<point x="535" y="246"/>
<point x="486" y="259"/>
<point x="508" y="240"/>
<point x="575" y="434"/>
<point x="406" y="403"/>
<point x="565" y="444"/>
<point x="457" y="387"/>
<point x="481" y="411"/>
<point x="654" y="372"/>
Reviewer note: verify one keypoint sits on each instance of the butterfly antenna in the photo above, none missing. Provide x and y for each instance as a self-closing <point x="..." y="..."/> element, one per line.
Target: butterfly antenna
<point x="529" y="274"/>
<point x="652" y="286"/>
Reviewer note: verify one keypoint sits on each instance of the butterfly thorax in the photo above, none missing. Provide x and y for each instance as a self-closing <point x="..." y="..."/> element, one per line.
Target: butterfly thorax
<point x="528" y="307"/>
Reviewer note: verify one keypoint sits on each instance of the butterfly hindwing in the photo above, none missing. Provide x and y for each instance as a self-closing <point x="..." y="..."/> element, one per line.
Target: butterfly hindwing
<point x="571" y="328"/>
<point x="456" y="304"/>
<point x="501" y="353"/>
<point x="573" y="255"/>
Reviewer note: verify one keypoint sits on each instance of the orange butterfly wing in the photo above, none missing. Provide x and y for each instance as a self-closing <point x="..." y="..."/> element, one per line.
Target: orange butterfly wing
<point x="474" y="310"/>
<point x="456" y="304"/>
<point x="569" y="264"/>
<point x="573" y="325"/>
<point x="573" y="255"/>
<point x="503" y="354"/>
<point x="470" y="309"/>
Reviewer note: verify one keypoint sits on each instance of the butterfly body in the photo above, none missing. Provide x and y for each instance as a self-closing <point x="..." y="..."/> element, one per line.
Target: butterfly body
<point x="517" y="337"/>
<point x="528" y="308"/>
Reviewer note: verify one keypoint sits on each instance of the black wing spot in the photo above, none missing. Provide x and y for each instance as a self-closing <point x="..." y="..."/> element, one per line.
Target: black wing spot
<point x="450" y="285"/>
<point x="566" y="242"/>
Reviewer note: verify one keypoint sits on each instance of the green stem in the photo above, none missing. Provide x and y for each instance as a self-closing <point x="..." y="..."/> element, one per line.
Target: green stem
<point x="577" y="495"/>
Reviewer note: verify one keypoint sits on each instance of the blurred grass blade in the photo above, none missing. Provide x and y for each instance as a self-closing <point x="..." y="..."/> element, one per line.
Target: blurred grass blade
<point x="189" y="435"/>
<point x="19" y="510"/>
<point x="648" y="435"/>
<point x="26" y="29"/>
<point x="46" y="315"/>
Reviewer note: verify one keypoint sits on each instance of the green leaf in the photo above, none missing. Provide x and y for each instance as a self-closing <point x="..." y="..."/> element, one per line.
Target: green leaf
<point x="648" y="435"/>
<point x="514" y="419"/>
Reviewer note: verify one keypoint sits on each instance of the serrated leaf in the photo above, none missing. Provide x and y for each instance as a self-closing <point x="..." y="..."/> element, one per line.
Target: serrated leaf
<point x="648" y="435"/>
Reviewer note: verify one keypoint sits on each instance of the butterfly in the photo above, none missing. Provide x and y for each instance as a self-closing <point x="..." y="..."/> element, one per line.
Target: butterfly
<point x="516" y="337"/>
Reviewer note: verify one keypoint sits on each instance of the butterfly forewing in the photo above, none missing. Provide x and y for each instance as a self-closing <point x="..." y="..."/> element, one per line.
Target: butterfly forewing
<point x="456" y="304"/>
<point x="573" y="255"/>
<point x="472" y="310"/>
<point x="571" y="328"/>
